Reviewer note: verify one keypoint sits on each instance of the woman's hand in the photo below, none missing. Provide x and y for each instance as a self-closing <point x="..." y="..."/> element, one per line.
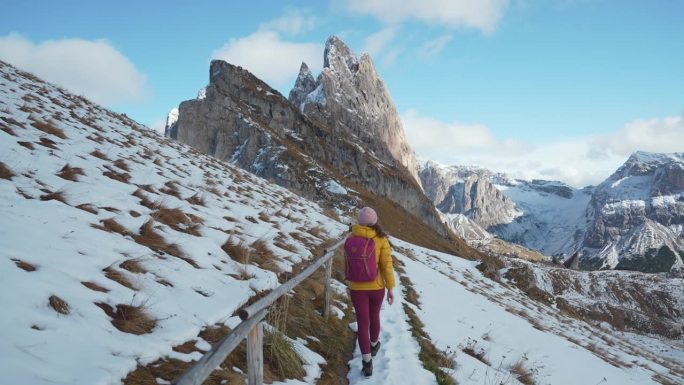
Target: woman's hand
<point x="390" y="296"/>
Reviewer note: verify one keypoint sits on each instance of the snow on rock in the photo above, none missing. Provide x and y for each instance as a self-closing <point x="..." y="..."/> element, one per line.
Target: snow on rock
<point x="625" y="222"/>
<point x="171" y="120"/>
<point x="201" y="94"/>
<point x="335" y="188"/>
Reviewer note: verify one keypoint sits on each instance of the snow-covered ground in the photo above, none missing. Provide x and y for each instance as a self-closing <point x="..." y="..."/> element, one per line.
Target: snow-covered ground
<point x="80" y="183"/>
<point x="462" y="309"/>
<point x="126" y="175"/>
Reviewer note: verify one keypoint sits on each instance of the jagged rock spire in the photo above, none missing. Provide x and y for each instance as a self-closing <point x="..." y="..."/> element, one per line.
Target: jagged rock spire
<point x="350" y="96"/>
<point x="304" y="85"/>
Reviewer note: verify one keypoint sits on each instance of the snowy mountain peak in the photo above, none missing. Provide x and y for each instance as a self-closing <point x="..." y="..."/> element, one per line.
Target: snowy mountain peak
<point x="338" y="53"/>
<point x="171" y="119"/>
<point x="304" y="85"/>
<point x="642" y="163"/>
<point x="350" y="97"/>
<point x="655" y="157"/>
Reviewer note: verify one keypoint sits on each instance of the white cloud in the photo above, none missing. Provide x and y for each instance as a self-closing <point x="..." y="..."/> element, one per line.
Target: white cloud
<point x="426" y="134"/>
<point x="578" y="161"/>
<point x="93" y="68"/>
<point x="269" y="57"/>
<point x="433" y="47"/>
<point x="480" y="14"/>
<point x="159" y="125"/>
<point x="654" y="135"/>
<point x="293" y="22"/>
<point x="375" y="42"/>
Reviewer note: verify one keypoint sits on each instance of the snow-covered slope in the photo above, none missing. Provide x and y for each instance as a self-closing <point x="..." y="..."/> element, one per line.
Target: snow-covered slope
<point x="100" y="216"/>
<point x="490" y="329"/>
<point x="553" y="214"/>
<point x="119" y="245"/>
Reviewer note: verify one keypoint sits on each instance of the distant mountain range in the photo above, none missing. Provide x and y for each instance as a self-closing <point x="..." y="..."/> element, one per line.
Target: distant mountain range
<point x="633" y="220"/>
<point x="341" y="131"/>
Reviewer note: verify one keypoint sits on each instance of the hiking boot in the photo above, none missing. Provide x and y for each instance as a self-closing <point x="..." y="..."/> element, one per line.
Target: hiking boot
<point x="374" y="349"/>
<point x="367" y="369"/>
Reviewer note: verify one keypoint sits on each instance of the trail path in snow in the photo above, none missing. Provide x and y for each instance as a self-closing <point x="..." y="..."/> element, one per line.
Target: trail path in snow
<point x="397" y="361"/>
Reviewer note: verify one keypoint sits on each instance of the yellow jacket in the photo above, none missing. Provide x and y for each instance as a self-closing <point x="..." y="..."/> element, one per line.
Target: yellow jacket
<point x="383" y="258"/>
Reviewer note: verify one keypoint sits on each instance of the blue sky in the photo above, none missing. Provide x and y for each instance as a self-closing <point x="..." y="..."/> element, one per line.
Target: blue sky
<point x="555" y="89"/>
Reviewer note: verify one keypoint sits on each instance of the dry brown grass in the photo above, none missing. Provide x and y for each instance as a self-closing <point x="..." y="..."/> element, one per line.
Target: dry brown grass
<point x="301" y="319"/>
<point x="522" y="373"/>
<point x="303" y="240"/>
<point x="122" y="177"/>
<point x="318" y="232"/>
<point x="45" y="142"/>
<point x="490" y="266"/>
<point x="178" y="220"/>
<point x="118" y="277"/>
<point x="94" y="286"/>
<point x="661" y="379"/>
<point x="187" y="347"/>
<point x="283" y="244"/>
<point x="410" y="293"/>
<point x="70" y="173"/>
<point x="120" y="163"/>
<point x="280" y="355"/>
<point x="100" y="155"/>
<point x="28" y="145"/>
<point x="263" y="256"/>
<point x="472" y="349"/>
<point x="171" y="188"/>
<point x="133" y="266"/>
<point x="197" y="199"/>
<point x="145" y="201"/>
<point x="235" y="249"/>
<point x="112" y="226"/>
<point x="7" y="129"/>
<point x="59" y="305"/>
<point x="149" y="237"/>
<point x="251" y="219"/>
<point x="24" y="265"/>
<point x="335" y="342"/>
<point x="5" y="172"/>
<point x="49" y="128"/>
<point x="129" y="318"/>
<point x="56" y="196"/>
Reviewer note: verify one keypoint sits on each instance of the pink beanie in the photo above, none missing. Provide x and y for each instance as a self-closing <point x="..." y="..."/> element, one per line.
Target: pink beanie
<point x="367" y="217"/>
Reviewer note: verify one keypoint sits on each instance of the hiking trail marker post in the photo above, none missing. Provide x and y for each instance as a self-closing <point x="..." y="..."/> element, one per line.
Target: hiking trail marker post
<point x="252" y="328"/>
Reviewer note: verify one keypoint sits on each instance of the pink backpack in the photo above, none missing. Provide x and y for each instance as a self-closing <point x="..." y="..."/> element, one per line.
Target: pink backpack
<point x="359" y="253"/>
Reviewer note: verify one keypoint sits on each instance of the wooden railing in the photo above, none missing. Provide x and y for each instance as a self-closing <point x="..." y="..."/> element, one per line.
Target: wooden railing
<point x="252" y="328"/>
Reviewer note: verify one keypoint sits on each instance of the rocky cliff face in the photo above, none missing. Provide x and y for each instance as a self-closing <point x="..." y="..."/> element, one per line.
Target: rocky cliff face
<point x="634" y="220"/>
<point x="241" y="119"/>
<point x="351" y="99"/>
<point x="468" y="191"/>
<point x="637" y="216"/>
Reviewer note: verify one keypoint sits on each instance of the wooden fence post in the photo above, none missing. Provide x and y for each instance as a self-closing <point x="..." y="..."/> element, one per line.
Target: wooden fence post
<point x="255" y="355"/>
<point x="326" y="293"/>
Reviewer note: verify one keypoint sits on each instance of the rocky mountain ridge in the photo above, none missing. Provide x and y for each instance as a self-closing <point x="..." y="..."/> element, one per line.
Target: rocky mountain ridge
<point x="349" y="97"/>
<point x="321" y="153"/>
<point x="632" y="221"/>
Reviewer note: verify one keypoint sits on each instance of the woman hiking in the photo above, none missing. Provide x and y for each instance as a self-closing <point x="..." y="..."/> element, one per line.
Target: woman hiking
<point x="368" y="272"/>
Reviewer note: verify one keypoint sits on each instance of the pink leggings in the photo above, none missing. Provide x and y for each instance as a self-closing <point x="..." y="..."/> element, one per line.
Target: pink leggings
<point x="367" y="305"/>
